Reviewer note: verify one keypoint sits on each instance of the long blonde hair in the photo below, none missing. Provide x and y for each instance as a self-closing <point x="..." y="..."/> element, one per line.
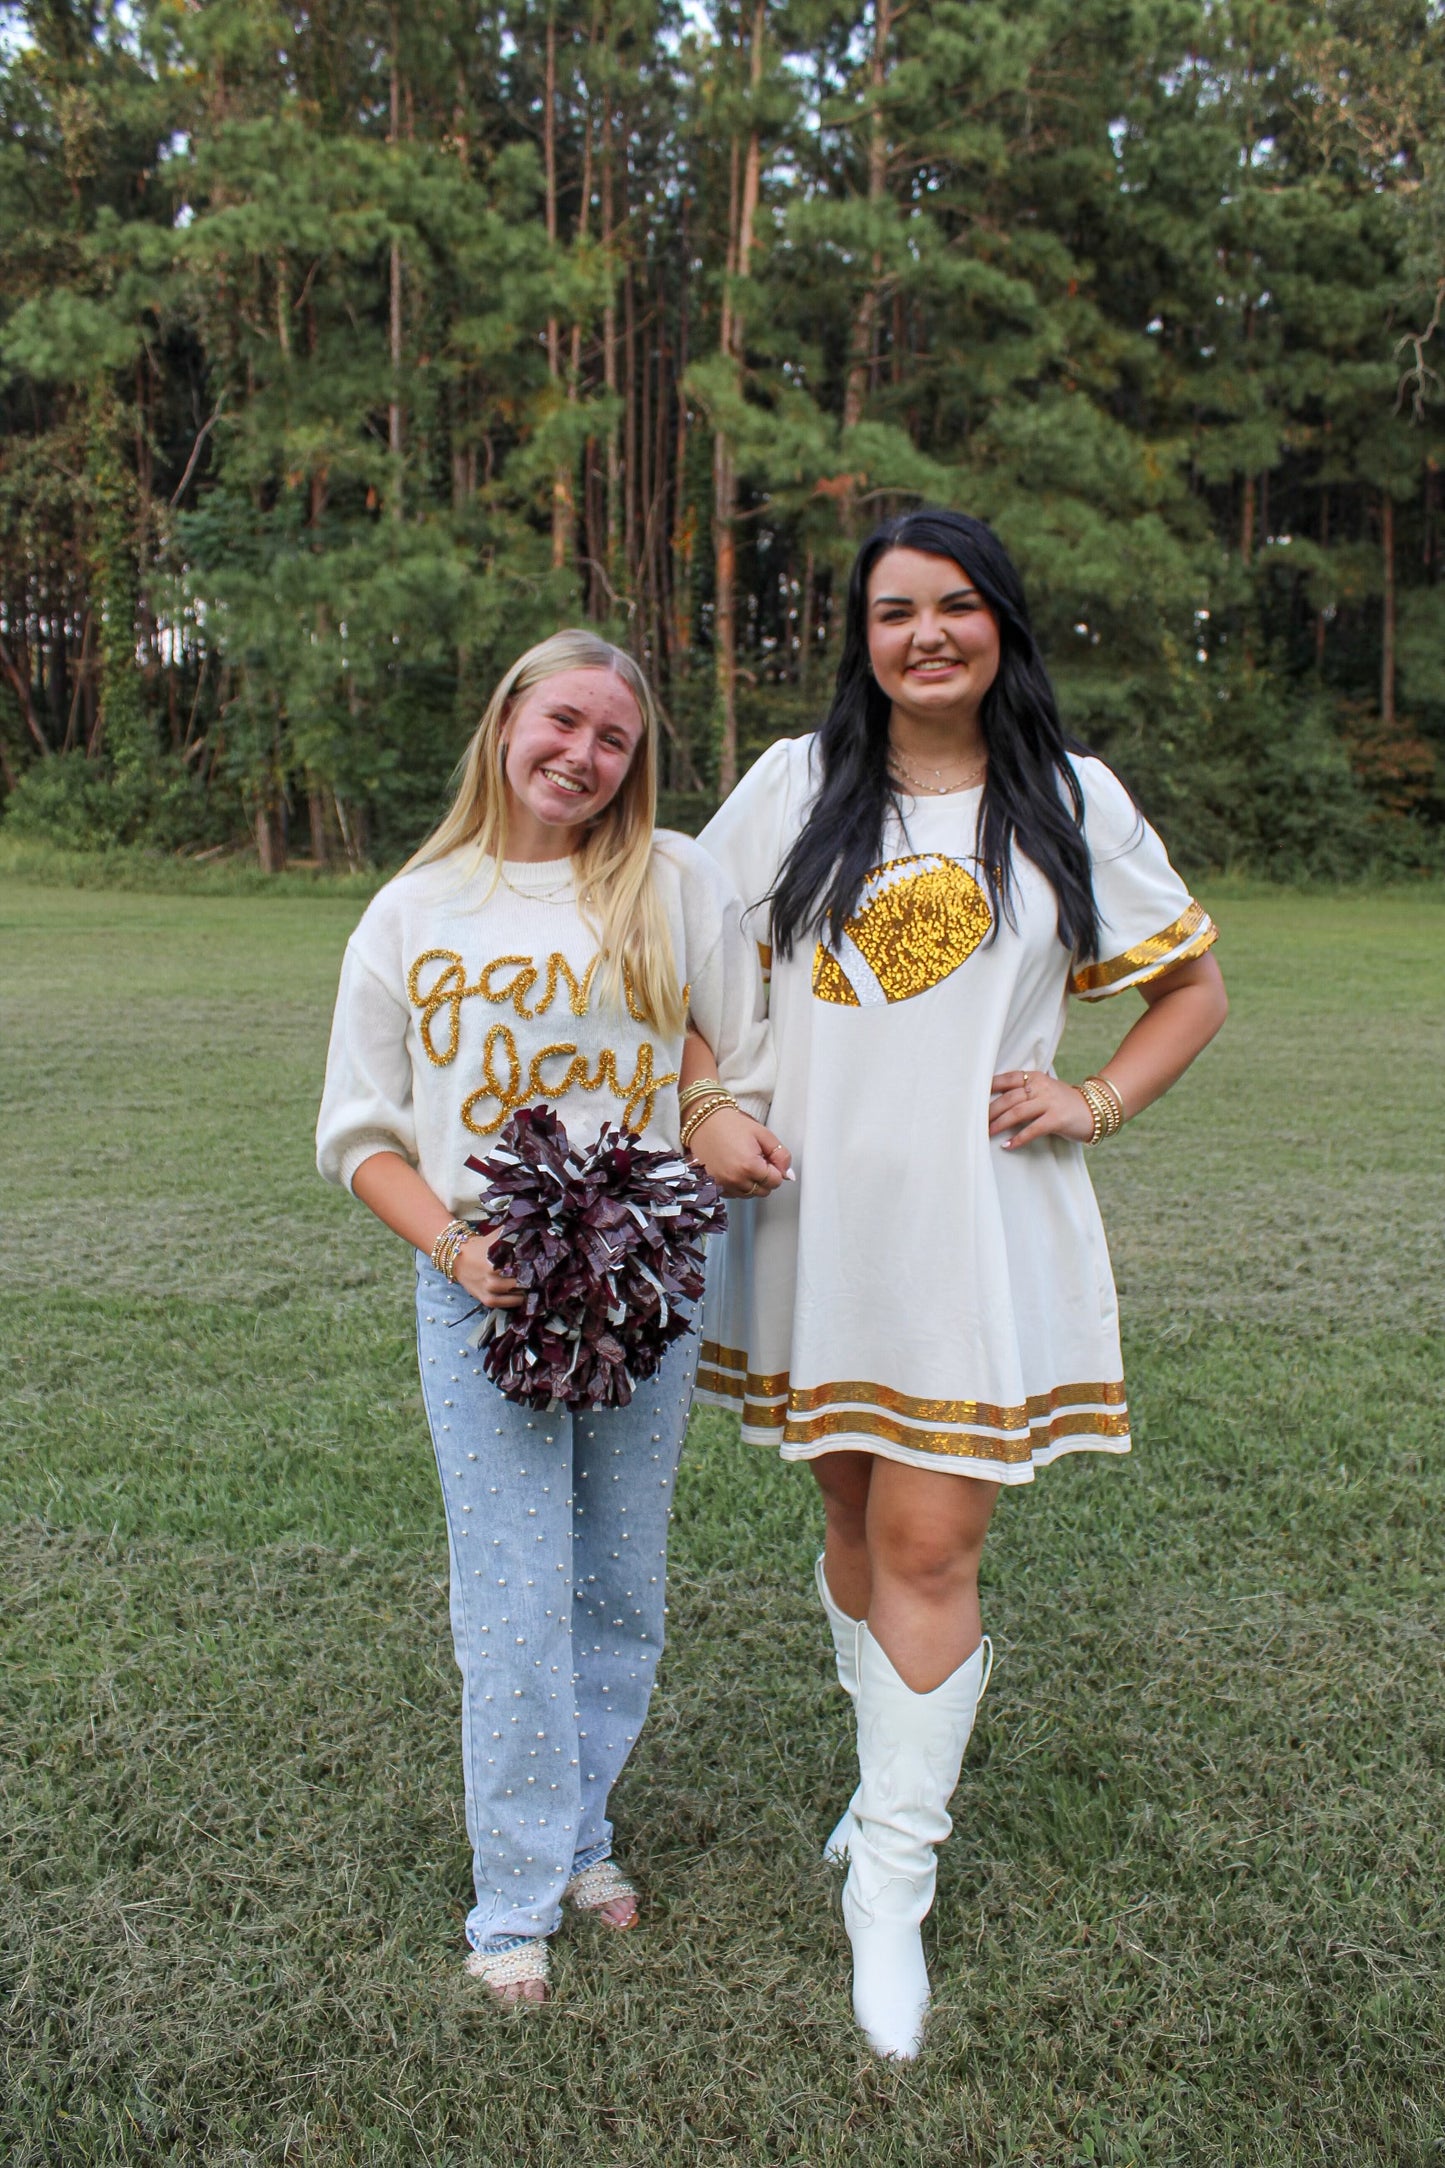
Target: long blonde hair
<point x="616" y="892"/>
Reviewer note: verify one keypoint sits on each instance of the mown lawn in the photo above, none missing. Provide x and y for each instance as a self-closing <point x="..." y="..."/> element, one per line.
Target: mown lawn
<point x="1193" y="1910"/>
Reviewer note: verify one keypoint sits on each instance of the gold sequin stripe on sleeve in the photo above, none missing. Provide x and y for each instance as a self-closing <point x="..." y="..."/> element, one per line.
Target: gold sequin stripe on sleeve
<point x="1189" y="936"/>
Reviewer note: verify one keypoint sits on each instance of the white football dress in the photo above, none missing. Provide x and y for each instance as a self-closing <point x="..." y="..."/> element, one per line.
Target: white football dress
<point x="921" y="1292"/>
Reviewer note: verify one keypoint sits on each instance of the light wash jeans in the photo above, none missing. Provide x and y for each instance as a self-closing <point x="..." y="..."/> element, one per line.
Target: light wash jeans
<point x="557" y="1526"/>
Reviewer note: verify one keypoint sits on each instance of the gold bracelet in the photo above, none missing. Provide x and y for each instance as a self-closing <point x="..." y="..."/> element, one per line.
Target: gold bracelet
<point x="699" y="1112"/>
<point x="1105" y="1108"/>
<point x="699" y="1088"/>
<point x="714" y="1091"/>
<point x="449" y="1245"/>
<point x="1114" y="1093"/>
<point x="696" y="1119"/>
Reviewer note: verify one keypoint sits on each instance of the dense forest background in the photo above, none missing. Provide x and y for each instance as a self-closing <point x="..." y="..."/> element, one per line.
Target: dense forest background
<point x="346" y="349"/>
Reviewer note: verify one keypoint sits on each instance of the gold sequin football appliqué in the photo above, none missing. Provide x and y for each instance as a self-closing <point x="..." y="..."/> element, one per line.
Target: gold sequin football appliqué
<point x="917" y="920"/>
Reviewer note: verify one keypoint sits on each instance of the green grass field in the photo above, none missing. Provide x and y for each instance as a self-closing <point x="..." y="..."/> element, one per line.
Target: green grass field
<point x="1193" y="1909"/>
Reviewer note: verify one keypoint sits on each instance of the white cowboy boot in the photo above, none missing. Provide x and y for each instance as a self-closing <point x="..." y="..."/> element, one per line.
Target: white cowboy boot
<point x="845" y="1656"/>
<point x="910" y="1749"/>
<point x="844" y="1630"/>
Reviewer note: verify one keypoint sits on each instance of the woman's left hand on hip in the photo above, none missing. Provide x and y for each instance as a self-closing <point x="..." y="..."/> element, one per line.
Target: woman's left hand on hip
<point x="1034" y="1104"/>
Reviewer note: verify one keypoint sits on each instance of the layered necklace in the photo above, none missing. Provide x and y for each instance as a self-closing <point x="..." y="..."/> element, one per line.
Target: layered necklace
<point x="937" y="788"/>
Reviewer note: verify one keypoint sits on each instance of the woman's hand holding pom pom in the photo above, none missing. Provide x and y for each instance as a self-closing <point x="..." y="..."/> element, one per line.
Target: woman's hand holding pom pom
<point x="493" y="1290"/>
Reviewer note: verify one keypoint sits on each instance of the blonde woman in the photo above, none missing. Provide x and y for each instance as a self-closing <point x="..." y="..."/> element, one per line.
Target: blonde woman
<point x="545" y="944"/>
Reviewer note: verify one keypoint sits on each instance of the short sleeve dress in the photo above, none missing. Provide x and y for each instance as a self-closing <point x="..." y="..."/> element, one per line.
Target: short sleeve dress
<point x="920" y="1292"/>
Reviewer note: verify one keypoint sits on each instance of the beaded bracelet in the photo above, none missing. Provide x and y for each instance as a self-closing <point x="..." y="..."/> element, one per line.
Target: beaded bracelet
<point x="699" y="1111"/>
<point x="1113" y="1091"/>
<point x="1105" y="1106"/>
<point x="449" y="1244"/>
<point x="698" y="1115"/>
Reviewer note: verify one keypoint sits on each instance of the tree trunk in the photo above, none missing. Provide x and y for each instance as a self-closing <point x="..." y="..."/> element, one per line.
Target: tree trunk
<point x="122" y="718"/>
<point x="805" y="626"/>
<point x="684" y="535"/>
<point x="1320" y="621"/>
<point x="1387" y="630"/>
<point x="270" y="836"/>
<point x="317" y="810"/>
<point x="742" y="207"/>
<point x="725" y="651"/>
<point x="18" y="678"/>
<point x="609" y="349"/>
<point x="631" y="480"/>
<point x="865" y="321"/>
<point x="563" y="511"/>
<point x="393" y="412"/>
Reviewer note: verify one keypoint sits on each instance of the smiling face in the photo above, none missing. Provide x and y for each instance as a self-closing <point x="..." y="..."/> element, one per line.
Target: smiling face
<point x="567" y="746"/>
<point x="932" y="639"/>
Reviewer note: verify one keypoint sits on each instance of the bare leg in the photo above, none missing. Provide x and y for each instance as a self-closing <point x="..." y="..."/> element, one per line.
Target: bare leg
<point x="844" y="1480"/>
<point x="925" y="1535"/>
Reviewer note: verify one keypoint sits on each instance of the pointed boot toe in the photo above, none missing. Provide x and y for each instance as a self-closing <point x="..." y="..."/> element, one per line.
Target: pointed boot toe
<point x="890" y="1988"/>
<point x="835" y="1851"/>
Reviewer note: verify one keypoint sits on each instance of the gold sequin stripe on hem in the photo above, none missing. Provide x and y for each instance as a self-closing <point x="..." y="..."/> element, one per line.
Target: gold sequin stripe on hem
<point x="1194" y="929"/>
<point x="986" y="1468"/>
<point x="762" y="1399"/>
<point x="954" y="1444"/>
<point x="761" y="1414"/>
<point x="789" y="1418"/>
<point x="967" y="1414"/>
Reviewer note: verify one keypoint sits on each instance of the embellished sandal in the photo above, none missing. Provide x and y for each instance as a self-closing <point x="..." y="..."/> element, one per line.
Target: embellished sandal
<point x="596" y="1887"/>
<point x="507" y="1974"/>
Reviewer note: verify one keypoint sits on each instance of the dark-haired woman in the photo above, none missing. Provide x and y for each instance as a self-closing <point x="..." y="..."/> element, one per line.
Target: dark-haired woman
<point x="929" y="1313"/>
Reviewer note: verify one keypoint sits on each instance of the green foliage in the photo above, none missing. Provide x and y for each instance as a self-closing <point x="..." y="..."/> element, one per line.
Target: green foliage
<point x="332" y="372"/>
<point x="76" y="804"/>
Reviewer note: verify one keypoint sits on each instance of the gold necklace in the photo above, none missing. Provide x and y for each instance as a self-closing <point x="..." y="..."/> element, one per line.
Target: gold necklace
<point x="933" y="790"/>
<point x="562" y="891"/>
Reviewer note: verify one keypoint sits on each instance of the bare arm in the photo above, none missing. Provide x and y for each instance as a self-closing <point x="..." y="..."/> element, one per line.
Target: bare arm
<point x="1184" y="1009"/>
<point x="743" y="1158"/>
<point x="402" y="1201"/>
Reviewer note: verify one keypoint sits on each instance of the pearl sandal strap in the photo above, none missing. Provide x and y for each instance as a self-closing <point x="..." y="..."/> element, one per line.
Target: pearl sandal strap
<point x="510" y="1968"/>
<point x="600" y="1885"/>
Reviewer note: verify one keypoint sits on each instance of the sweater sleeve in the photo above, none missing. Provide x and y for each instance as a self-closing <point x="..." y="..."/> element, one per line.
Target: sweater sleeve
<point x="366" y="1106"/>
<point x="747" y="833"/>
<point x="725" y="980"/>
<point x="1148" y="921"/>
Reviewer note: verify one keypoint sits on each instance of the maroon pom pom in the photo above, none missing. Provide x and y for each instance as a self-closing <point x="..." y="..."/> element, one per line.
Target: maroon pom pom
<point x="606" y="1246"/>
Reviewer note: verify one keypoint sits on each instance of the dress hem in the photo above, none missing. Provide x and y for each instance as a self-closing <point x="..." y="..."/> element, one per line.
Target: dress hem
<point x="1011" y="1472"/>
<point x="979" y="1466"/>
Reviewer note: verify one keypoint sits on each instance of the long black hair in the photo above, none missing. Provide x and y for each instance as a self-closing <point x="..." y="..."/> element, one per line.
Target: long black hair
<point x="1031" y="795"/>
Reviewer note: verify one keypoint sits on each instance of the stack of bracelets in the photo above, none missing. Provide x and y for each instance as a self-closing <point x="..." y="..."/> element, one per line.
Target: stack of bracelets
<point x="695" y="1102"/>
<point x="447" y="1247"/>
<point x="1104" y="1104"/>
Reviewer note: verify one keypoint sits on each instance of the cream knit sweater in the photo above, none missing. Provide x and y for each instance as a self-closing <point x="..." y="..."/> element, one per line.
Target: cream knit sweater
<point x="454" y="1010"/>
